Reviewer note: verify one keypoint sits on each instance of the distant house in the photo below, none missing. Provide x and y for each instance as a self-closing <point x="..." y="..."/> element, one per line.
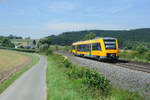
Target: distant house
<point x="16" y="46"/>
<point x="29" y="46"/>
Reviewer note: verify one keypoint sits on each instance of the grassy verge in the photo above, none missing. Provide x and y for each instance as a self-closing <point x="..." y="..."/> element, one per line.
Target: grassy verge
<point x="8" y="82"/>
<point x="135" y="56"/>
<point x="66" y="81"/>
<point x="19" y="49"/>
<point x="59" y="86"/>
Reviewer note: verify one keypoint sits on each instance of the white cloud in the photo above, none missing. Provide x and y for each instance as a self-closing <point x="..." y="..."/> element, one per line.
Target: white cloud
<point x="120" y="9"/>
<point x="59" y="7"/>
<point x="117" y="10"/>
<point x="62" y="27"/>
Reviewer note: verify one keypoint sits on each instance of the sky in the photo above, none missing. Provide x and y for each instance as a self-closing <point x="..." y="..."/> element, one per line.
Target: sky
<point x="40" y="18"/>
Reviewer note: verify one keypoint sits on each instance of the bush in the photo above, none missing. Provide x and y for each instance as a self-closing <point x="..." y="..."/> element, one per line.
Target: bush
<point x="147" y="56"/>
<point x="7" y="43"/>
<point x="67" y="49"/>
<point x="56" y="47"/>
<point x="66" y="63"/>
<point x="43" y="47"/>
<point x="142" y="49"/>
<point x="89" y="77"/>
<point x="49" y="51"/>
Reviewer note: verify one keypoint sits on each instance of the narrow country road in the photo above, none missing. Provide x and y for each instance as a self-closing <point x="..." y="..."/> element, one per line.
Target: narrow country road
<point x="30" y="86"/>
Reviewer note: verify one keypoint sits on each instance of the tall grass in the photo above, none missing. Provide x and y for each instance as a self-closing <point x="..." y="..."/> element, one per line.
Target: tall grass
<point x="135" y="56"/>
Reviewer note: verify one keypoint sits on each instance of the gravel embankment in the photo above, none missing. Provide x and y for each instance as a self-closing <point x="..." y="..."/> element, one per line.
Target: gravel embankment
<point x="119" y="76"/>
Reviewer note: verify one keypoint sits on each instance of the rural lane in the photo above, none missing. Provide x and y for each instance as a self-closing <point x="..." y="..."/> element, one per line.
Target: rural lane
<point x="30" y="86"/>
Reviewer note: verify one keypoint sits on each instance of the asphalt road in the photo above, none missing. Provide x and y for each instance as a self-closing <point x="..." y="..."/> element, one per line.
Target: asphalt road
<point x="30" y="86"/>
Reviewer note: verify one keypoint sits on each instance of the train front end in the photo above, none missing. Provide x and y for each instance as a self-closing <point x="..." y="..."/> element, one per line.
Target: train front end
<point x="111" y="48"/>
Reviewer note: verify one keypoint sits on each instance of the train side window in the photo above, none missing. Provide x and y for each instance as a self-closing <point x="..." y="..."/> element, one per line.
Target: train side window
<point x="93" y="46"/>
<point x="88" y="47"/>
<point x="96" y="46"/>
<point x="73" y="47"/>
<point x="99" y="46"/>
<point x="83" y="48"/>
<point x="78" y="47"/>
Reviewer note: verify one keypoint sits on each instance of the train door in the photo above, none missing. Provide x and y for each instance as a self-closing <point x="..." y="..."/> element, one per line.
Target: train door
<point x="76" y="49"/>
<point x="90" y="49"/>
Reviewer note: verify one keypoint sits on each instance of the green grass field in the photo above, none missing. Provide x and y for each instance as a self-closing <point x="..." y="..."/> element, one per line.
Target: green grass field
<point x="15" y="57"/>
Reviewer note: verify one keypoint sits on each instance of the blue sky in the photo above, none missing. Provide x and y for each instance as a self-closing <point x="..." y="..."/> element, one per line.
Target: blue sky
<point x="39" y="18"/>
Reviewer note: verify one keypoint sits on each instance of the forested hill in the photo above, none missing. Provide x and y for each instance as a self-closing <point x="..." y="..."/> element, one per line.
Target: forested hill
<point x="136" y="35"/>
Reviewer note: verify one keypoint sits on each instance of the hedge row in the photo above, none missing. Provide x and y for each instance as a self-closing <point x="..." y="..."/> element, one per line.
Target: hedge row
<point x="22" y="50"/>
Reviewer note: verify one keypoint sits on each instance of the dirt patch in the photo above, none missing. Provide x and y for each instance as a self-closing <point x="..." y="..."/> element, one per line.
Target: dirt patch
<point x="6" y="74"/>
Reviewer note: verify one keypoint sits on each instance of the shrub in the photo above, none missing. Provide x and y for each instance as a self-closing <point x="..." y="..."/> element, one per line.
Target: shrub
<point x="89" y="77"/>
<point x="56" y="47"/>
<point x="66" y="63"/>
<point x="67" y="49"/>
<point x="147" y="56"/>
<point x="49" y="51"/>
<point x="43" y="47"/>
<point x="141" y="49"/>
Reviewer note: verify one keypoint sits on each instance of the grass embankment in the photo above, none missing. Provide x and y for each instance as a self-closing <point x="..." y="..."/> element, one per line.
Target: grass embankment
<point x="66" y="81"/>
<point x="13" y="59"/>
<point x="132" y="55"/>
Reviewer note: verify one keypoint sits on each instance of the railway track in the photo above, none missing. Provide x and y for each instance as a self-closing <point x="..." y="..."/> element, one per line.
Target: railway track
<point x="144" y="67"/>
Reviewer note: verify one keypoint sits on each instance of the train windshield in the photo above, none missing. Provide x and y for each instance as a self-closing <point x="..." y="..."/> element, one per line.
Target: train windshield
<point x="110" y="43"/>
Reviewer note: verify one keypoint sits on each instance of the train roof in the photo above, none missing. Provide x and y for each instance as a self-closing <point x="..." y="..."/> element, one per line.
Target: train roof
<point x="93" y="40"/>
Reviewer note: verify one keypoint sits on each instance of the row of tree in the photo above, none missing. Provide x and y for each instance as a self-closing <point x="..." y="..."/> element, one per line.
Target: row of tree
<point x="5" y="42"/>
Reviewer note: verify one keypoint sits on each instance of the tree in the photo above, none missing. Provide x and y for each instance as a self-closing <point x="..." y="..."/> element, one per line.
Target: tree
<point x="7" y="43"/>
<point x="44" y="44"/>
<point x="27" y="38"/>
<point x="90" y="36"/>
<point x="34" y="42"/>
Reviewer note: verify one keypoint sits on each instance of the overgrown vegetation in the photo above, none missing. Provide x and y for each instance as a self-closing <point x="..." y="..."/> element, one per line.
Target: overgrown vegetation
<point x="44" y="45"/>
<point x="84" y="84"/>
<point x="141" y="54"/>
<point x="67" y="81"/>
<point x="5" y="42"/>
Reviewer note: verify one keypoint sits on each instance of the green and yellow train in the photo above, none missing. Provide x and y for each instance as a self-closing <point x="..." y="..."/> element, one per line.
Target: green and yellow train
<point x="99" y="48"/>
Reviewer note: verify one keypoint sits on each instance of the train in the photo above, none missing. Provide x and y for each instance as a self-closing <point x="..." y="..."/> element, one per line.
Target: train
<point x="101" y="48"/>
